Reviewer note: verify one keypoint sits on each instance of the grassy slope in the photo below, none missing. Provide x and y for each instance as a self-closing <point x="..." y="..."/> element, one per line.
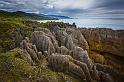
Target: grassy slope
<point x="10" y="22"/>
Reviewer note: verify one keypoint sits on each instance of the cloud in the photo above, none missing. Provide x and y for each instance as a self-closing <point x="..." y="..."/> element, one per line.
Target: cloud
<point x="72" y="4"/>
<point x="112" y="4"/>
<point x="77" y="8"/>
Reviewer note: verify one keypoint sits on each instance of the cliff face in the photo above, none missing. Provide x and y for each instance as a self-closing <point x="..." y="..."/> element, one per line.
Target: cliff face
<point x="106" y="46"/>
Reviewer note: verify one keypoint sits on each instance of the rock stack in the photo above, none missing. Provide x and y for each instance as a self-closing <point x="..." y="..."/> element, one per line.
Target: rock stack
<point x="66" y="51"/>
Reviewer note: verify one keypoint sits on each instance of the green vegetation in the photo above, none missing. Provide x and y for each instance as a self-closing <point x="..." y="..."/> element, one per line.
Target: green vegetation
<point x="8" y="54"/>
<point x="14" y="69"/>
<point x="7" y="28"/>
<point x="13" y="26"/>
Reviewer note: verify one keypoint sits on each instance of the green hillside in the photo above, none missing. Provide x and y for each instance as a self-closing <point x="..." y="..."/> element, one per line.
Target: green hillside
<point x="24" y="15"/>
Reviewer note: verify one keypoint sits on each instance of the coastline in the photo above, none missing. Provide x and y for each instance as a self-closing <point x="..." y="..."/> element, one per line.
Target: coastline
<point x="92" y="23"/>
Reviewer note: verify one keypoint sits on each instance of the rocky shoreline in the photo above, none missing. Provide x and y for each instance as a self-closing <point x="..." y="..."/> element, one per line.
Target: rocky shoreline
<point x="80" y="54"/>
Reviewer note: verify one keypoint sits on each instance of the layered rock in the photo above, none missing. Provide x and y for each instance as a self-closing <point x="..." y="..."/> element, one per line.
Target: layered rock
<point x="106" y="46"/>
<point x="81" y="55"/>
<point x="66" y="51"/>
<point x="105" y="40"/>
<point x="69" y="38"/>
<point x="68" y="65"/>
<point x="29" y="52"/>
<point x="65" y="63"/>
<point x="42" y="42"/>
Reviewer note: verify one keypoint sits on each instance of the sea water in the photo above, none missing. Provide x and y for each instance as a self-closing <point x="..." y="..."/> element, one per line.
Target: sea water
<point x="116" y="24"/>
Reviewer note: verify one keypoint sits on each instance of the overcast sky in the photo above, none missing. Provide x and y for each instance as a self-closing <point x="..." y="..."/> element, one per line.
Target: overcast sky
<point x="73" y="8"/>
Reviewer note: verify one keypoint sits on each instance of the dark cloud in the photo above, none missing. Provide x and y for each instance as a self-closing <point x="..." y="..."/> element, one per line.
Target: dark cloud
<point x="112" y="4"/>
<point x="100" y="7"/>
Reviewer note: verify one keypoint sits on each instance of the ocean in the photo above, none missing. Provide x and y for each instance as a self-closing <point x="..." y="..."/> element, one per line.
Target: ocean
<point x="116" y="24"/>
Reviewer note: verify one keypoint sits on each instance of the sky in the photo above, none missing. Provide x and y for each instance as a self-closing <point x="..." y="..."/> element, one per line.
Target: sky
<point x="72" y="8"/>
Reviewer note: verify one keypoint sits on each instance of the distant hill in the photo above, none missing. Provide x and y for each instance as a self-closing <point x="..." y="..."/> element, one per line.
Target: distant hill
<point x="23" y="15"/>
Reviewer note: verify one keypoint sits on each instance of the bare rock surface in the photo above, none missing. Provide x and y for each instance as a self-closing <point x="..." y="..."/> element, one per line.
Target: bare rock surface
<point x="42" y="42"/>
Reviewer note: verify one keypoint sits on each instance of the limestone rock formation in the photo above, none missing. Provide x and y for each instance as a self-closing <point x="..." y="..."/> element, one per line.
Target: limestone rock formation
<point x="106" y="40"/>
<point x="106" y="46"/>
<point x="66" y="51"/>
<point x="69" y="38"/>
<point x="79" y="54"/>
<point x="65" y="63"/>
<point x="63" y="50"/>
<point x="42" y="42"/>
<point x="29" y="52"/>
<point x="78" y="38"/>
<point x="25" y="55"/>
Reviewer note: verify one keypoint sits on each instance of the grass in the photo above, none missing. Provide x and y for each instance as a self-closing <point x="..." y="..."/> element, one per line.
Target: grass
<point x="14" y="69"/>
<point x="9" y="54"/>
<point x="8" y="27"/>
